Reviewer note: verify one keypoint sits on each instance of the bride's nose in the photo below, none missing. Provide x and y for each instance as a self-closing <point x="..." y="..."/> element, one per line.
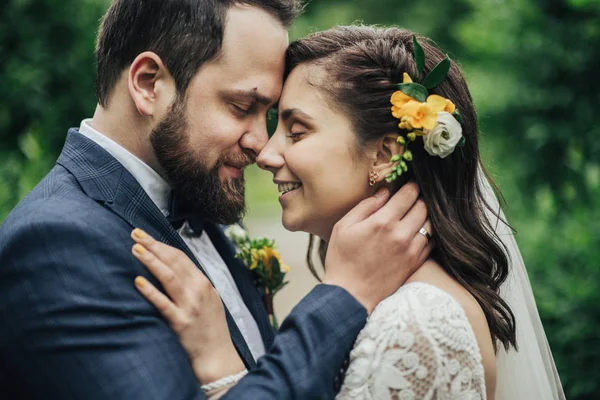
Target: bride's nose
<point x="271" y="157"/>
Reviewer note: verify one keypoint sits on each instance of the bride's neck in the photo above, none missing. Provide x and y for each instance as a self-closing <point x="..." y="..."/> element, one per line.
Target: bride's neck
<point x="323" y="234"/>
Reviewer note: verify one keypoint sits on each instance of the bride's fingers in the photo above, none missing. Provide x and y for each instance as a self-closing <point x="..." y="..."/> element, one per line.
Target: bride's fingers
<point x="416" y="217"/>
<point x="173" y="258"/>
<point x="162" y="303"/>
<point x="426" y="251"/>
<point x="365" y="208"/>
<point x="401" y="203"/>
<point x="165" y="275"/>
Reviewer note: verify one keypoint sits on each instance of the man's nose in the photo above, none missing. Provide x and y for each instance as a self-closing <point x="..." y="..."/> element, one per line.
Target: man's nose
<point x="256" y="139"/>
<point x="270" y="158"/>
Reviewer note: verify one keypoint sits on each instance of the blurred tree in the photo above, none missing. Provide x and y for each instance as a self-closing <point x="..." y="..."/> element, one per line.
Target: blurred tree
<point x="536" y="66"/>
<point x="47" y="74"/>
<point x="547" y="119"/>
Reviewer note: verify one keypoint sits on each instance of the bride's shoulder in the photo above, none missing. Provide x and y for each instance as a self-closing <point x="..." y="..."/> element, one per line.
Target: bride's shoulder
<point x="418" y="342"/>
<point x="420" y="303"/>
<point x="421" y="310"/>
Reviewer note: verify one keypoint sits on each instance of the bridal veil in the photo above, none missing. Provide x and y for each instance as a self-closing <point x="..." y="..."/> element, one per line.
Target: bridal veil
<point x="529" y="373"/>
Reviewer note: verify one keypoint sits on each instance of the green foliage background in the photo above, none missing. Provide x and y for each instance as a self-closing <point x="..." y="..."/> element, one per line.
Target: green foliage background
<point x="532" y="66"/>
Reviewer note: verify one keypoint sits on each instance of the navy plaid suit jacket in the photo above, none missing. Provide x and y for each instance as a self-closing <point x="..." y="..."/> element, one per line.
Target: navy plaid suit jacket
<point x="73" y="326"/>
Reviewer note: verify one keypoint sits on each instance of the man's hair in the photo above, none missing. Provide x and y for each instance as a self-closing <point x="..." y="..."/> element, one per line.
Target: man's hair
<point x="184" y="33"/>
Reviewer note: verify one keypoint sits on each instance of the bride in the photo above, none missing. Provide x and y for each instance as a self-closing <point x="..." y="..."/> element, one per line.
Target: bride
<point x="366" y="107"/>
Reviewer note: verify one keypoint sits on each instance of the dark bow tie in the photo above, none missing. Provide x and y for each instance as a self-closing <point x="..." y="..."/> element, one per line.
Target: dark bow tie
<point x="179" y="213"/>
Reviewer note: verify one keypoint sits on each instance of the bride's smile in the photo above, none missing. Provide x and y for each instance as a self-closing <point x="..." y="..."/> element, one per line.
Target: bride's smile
<point x="286" y="187"/>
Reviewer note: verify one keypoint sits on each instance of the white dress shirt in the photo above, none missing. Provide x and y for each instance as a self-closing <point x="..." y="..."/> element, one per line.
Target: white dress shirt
<point x="159" y="191"/>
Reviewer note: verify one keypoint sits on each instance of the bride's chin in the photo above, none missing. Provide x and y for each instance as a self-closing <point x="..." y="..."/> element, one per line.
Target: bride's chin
<point x="289" y="224"/>
<point x="295" y="224"/>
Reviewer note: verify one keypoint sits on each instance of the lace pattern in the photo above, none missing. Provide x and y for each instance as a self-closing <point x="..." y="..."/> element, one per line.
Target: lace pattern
<point x="417" y="344"/>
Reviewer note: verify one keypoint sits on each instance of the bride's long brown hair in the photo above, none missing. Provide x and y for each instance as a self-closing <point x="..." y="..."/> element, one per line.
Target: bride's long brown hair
<point x="364" y="64"/>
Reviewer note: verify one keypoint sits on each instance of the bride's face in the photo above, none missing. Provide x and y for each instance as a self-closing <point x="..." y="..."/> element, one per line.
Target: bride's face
<point x="314" y="157"/>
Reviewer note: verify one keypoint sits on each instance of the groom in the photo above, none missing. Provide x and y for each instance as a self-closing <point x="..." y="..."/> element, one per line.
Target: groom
<point x="183" y="89"/>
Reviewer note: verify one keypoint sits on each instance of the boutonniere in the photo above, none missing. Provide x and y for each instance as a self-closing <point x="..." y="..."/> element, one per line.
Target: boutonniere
<point x="260" y="256"/>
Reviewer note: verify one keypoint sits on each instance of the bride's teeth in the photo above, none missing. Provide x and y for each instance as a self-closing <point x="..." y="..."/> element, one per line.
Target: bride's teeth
<point x="286" y="187"/>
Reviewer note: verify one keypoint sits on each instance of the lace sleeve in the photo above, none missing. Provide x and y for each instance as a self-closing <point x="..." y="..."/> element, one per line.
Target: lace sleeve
<point x="417" y="344"/>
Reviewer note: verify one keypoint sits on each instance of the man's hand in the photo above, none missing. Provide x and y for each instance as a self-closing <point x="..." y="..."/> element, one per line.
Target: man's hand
<point x="377" y="245"/>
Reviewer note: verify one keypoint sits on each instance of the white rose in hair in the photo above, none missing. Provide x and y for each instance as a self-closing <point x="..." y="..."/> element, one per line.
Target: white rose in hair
<point x="444" y="137"/>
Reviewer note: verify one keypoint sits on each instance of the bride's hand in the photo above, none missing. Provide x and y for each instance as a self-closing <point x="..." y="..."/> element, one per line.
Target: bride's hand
<point x="193" y="307"/>
<point x="377" y="245"/>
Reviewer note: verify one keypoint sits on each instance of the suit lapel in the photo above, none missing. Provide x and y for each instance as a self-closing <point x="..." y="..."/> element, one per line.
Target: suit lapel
<point x="105" y="180"/>
<point x="244" y="281"/>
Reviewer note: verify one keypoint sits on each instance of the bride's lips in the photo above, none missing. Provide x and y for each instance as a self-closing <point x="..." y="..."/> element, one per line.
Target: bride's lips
<point x="287" y="189"/>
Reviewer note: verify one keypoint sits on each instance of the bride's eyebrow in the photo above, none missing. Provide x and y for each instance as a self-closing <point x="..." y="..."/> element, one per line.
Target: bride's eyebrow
<point x="290" y="112"/>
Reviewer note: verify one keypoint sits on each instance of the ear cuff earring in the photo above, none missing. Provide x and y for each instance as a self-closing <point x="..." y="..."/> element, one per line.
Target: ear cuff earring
<point x="373" y="176"/>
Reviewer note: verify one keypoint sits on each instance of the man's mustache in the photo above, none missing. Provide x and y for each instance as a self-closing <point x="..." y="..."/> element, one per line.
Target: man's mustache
<point x="240" y="160"/>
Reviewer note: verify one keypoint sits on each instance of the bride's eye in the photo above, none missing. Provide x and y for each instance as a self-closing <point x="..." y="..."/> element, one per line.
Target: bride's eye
<point x="295" y="136"/>
<point x="296" y="131"/>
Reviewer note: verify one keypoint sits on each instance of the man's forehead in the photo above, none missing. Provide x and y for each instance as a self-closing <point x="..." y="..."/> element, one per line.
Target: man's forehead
<point x="252" y="28"/>
<point x="251" y="61"/>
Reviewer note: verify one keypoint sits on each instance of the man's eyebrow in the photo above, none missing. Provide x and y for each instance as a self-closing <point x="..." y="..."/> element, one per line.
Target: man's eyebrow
<point x="289" y="112"/>
<point x="253" y="95"/>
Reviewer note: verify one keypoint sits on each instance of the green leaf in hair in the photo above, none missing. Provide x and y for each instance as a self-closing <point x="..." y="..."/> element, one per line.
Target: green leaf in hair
<point x="414" y="90"/>
<point x="458" y="116"/>
<point x="419" y="55"/>
<point x="437" y="74"/>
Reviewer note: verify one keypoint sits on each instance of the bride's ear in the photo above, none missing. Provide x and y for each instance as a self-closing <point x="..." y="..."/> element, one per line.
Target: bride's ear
<point x="387" y="147"/>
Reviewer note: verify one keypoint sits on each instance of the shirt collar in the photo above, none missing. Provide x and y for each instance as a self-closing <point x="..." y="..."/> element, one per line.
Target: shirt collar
<point x="157" y="188"/>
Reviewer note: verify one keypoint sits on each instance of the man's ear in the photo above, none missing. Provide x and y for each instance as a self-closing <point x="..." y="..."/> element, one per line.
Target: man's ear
<point x="387" y="147"/>
<point x="151" y="86"/>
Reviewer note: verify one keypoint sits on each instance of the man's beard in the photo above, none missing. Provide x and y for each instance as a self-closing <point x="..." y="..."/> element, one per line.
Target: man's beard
<point x="197" y="185"/>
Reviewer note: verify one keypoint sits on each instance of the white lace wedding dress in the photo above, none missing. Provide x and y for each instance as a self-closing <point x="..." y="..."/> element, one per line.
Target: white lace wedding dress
<point x="417" y="344"/>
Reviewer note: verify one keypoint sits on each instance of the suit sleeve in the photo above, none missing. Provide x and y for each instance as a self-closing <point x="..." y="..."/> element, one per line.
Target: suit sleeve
<point x="309" y="355"/>
<point x="73" y="326"/>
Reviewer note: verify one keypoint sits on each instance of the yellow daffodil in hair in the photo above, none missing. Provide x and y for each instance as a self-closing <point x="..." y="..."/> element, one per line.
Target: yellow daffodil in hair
<point x="419" y="114"/>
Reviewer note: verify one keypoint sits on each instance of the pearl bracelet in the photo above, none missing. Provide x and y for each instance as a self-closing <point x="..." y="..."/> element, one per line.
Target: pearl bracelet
<point x="223" y="382"/>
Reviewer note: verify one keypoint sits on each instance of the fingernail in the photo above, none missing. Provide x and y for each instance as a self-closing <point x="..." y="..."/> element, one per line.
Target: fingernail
<point x="139" y="249"/>
<point x="380" y="192"/>
<point x="139" y="234"/>
<point x="140" y="281"/>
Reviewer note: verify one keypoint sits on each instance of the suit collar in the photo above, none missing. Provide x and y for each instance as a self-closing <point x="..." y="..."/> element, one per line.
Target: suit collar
<point x="95" y="169"/>
<point x="105" y="180"/>
<point x="155" y="186"/>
